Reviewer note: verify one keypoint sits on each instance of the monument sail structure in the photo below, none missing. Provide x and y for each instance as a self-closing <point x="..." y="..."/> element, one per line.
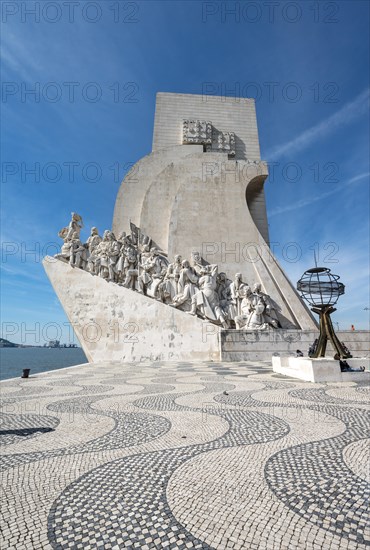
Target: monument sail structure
<point x="199" y="197"/>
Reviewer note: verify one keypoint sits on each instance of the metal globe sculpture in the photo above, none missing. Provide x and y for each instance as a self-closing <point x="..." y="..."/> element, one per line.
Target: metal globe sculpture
<point x="321" y="289"/>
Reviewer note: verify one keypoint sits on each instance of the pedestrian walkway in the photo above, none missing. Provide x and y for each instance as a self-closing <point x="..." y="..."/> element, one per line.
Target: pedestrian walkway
<point x="183" y="455"/>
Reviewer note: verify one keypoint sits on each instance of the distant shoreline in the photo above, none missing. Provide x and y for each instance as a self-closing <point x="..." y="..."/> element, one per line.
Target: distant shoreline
<point x="17" y="346"/>
<point x="7" y="344"/>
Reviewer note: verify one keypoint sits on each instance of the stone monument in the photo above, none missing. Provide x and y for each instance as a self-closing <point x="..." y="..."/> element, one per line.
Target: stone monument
<point x="187" y="260"/>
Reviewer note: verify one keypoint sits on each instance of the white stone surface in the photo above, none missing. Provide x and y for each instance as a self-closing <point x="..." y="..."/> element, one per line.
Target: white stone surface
<point x="129" y="202"/>
<point x="241" y="345"/>
<point x="323" y="369"/>
<point x="185" y="211"/>
<point x="189" y="200"/>
<point x="117" y="324"/>
<point x="227" y="114"/>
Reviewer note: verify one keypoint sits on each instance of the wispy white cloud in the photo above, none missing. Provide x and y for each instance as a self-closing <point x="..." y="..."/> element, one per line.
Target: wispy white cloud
<point x="25" y="273"/>
<point x="310" y="200"/>
<point x="359" y="177"/>
<point x="16" y="57"/>
<point x="299" y="204"/>
<point x="345" y="115"/>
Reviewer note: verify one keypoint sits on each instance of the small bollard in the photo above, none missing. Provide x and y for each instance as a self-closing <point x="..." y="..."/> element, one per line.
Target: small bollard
<point x="25" y="373"/>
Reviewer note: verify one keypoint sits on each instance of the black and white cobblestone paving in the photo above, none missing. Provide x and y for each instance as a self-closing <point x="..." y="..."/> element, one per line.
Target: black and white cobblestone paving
<point x="114" y="485"/>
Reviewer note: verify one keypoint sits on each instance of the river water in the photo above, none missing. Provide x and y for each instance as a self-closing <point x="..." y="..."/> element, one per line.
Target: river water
<point x="14" y="360"/>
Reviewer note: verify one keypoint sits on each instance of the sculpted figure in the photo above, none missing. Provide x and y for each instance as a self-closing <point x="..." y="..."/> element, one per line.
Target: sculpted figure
<point x="197" y="263"/>
<point x="169" y="287"/>
<point x="246" y="308"/>
<point x="145" y="254"/>
<point x="131" y="268"/>
<point x="65" y="252"/>
<point x="78" y="257"/>
<point x="102" y="260"/>
<point x="159" y="271"/>
<point x="122" y="237"/>
<point x="152" y="271"/>
<point x="120" y="266"/>
<point x="67" y="234"/>
<point x="92" y="244"/>
<point x="223" y="289"/>
<point x="266" y="308"/>
<point x="188" y="287"/>
<point x="206" y="300"/>
<point x="75" y="225"/>
<point x="224" y="295"/>
<point x="113" y="253"/>
<point x="257" y="319"/>
<point x="237" y="291"/>
<point x="144" y="276"/>
<point x="124" y="262"/>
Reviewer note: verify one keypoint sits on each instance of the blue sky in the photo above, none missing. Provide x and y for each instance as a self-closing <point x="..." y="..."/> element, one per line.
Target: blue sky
<point x="95" y="69"/>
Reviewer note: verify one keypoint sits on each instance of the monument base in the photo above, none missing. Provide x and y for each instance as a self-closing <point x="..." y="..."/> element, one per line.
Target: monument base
<point x="323" y="369"/>
<point x="257" y="345"/>
<point x="113" y="323"/>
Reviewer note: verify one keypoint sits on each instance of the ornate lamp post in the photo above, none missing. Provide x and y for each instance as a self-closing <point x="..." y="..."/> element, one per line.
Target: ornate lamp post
<point x="321" y="289"/>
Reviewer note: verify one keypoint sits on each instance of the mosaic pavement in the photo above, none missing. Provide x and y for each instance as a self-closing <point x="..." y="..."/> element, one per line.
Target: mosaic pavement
<point x="183" y="455"/>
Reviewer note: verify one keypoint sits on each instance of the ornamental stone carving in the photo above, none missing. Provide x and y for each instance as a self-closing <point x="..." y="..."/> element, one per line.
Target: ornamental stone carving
<point x="222" y="142"/>
<point x="197" y="288"/>
<point x="198" y="132"/>
<point x="201" y="132"/>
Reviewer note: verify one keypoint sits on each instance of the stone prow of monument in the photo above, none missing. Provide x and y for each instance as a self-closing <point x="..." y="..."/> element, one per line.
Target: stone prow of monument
<point x="201" y="189"/>
<point x="117" y="324"/>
